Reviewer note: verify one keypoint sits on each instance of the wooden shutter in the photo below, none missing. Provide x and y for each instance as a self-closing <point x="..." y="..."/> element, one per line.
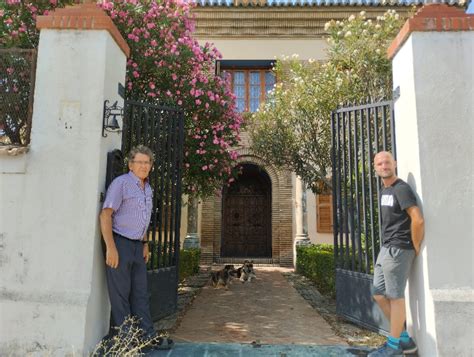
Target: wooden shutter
<point x="324" y="213"/>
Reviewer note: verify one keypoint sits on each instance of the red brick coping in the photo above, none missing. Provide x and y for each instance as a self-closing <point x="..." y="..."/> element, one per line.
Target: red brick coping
<point x="433" y="17"/>
<point x="82" y="17"/>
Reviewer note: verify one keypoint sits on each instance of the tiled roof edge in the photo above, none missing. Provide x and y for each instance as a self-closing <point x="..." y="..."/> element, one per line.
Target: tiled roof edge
<point x="319" y="3"/>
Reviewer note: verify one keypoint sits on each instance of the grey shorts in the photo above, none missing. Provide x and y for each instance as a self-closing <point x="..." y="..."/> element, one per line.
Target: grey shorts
<point x="391" y="272"/>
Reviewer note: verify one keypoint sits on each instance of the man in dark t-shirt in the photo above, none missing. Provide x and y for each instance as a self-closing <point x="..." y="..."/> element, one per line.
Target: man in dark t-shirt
<point x="402" y="233"/>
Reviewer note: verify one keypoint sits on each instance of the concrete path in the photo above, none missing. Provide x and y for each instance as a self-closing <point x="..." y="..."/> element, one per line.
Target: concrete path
<point x="265" y="311"/>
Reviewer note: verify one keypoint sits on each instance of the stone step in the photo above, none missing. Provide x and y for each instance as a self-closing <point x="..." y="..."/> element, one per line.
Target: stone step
<point x="263" y="262"/>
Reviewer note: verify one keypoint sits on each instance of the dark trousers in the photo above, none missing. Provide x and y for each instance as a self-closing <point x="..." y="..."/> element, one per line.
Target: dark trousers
<point x="127" y="285"/>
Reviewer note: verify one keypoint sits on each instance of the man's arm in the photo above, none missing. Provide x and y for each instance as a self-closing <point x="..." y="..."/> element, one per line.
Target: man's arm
<point x="417" y="227"/>
<point x="146" y="250"/>
<point x="112" y="257"/>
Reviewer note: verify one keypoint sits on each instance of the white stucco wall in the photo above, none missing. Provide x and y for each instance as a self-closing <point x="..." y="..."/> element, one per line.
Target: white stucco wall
<point x="434" y="131"/>
<point x="268" y="48"/>
<point x="52" y="291"/>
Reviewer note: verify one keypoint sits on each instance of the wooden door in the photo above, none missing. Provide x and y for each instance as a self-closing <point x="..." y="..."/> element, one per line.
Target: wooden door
<point x="246" y="230"/>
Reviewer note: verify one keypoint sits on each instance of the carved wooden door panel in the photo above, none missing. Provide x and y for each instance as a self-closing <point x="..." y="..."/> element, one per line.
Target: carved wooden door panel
<point x="246" y="230"/>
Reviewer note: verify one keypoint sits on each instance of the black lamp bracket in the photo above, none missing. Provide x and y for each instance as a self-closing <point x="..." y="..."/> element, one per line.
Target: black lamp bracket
<point x="109" y="120"/>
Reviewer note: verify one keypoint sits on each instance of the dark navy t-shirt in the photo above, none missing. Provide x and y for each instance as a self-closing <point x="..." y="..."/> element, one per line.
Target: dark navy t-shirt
<point x="396" y="223"/>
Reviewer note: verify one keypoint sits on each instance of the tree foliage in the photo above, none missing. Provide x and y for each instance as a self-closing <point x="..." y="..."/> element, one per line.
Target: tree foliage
<point x="293" y="129"/>
<point x="166" y="66"/>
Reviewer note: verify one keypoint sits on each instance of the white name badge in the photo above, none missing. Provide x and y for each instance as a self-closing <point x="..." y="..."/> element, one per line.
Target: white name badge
<point x="387" y="200"/>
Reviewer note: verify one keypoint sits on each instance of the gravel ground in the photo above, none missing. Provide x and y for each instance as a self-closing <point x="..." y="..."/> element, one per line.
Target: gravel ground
<point x="354" y="335"/>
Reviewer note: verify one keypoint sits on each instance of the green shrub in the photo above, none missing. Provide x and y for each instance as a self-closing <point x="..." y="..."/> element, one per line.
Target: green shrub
<point x="316" y="262"/>
<point x="189" y="262"/>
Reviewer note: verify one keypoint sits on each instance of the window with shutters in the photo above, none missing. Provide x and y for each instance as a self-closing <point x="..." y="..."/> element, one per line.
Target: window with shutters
<point x="324" y="213"/>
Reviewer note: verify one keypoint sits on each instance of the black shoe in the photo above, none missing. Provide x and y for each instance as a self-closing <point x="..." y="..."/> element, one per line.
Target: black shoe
<point x="408" y="347"/>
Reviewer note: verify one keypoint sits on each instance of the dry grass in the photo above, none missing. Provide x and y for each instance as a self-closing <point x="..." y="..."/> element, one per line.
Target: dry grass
<point x="127" y="341"/>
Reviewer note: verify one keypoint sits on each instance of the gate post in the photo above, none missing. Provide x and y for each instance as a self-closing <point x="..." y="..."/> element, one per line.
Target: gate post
<point x="53" y="296"/>
<point x="432" y="59"/>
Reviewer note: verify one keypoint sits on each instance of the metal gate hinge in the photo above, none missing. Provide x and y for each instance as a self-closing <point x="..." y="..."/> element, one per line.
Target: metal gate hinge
<point x="121" y="90"/>
<point x="396" y="93"/>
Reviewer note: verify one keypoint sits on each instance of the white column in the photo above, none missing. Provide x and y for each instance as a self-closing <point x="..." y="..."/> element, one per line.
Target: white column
<point x="53" y="296"/>
<point x="192" y="237"/>
<point x="434" y="135"/>
<point x="301" y="237"/>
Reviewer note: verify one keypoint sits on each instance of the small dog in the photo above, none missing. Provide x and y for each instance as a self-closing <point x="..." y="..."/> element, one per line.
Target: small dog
<point x="223" y="276"/>
<point x="246" y="272"/>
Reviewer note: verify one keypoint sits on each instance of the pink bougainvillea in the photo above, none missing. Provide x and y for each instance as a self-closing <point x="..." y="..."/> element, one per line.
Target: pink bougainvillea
<point x="168" y="66"/>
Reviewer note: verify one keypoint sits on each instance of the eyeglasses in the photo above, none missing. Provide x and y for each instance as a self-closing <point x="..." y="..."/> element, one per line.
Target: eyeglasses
<point x="145" y="163"/>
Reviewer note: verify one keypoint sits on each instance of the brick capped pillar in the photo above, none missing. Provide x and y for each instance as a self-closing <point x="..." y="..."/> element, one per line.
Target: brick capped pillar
<point x="53" y="296"/>
<point x="432" y="18"/>
<point x="83" y="17"/>
<point x="432" y="59"/>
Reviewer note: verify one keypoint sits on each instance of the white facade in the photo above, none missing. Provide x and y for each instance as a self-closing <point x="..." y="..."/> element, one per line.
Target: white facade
<point x="53" y="296"/>
<point x="268" y="49"/>
<point x="434" y="130"/>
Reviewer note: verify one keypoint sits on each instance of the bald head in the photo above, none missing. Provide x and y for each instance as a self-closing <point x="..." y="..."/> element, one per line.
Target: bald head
<point x="385" y="154"/>
<point x="385" y="165"/>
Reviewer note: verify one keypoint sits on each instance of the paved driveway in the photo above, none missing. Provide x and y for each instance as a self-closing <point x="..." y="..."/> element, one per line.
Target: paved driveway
<point x="265" y="311"/>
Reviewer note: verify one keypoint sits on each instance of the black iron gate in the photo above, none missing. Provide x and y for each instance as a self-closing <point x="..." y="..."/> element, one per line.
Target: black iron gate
<point x="358" y="132"/>
<point x="161" y="129"/>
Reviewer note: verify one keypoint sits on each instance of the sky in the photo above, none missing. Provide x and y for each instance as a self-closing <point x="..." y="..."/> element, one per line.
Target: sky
<point x="470" y="9"/>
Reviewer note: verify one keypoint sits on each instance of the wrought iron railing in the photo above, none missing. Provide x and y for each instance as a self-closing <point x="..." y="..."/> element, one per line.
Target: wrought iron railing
<point x="17" y="83"/>
<point x="161" y="129"/>
<point x="359" y="132"/>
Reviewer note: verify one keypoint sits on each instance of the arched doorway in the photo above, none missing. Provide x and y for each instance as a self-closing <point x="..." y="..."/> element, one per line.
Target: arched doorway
<point x="246" y="215"/>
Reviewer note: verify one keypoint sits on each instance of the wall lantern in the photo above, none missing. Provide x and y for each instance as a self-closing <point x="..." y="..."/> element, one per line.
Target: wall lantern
<point x="109" y="120"/>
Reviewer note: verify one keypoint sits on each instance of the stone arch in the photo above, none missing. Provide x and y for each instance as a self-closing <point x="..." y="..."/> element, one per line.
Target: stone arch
<point x="281" y="215"/>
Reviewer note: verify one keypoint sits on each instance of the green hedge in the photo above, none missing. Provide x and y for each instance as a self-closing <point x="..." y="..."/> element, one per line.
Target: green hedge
<point x="189" y="262"/>
<point x="316" y="262"/>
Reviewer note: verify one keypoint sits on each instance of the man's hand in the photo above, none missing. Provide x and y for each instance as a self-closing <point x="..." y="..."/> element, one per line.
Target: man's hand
<point x="417" y="227"/>
<point x="112" y="257"/>
<point x="417" y="248"/>
<point x="145" y="252"/>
